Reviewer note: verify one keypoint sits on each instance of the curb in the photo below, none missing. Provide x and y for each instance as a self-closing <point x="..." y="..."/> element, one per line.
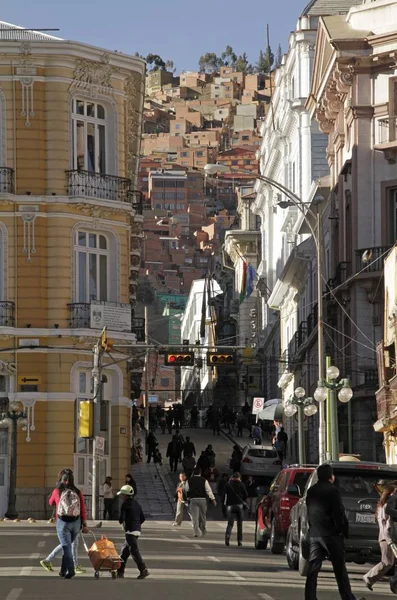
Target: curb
<point x="229" y="437"/>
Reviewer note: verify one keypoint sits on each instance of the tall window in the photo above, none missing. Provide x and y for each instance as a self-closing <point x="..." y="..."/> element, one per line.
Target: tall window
<point x="89" y="136"/>
<point x="92" y="266"/>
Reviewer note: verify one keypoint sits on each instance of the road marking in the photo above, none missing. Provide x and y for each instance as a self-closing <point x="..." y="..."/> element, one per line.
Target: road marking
<point x="41" y="544"/>
<point x="35" y="555"/>
<point x="221" y="525"/>
<point x="265" y="597"/>
<point x="26" y="571"/>
<point x="184" y="537"/>
<point x="214" y="558"/>
<point x="46" y="534"/>
<point x="236" y="575"/>
<point x="197" y="547"/>
<point x="14" y="594"/>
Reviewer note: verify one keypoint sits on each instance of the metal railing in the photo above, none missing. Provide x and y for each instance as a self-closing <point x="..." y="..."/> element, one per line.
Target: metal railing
<point x="138" y="327"/>
<point x="373" y="257"/>
<point x="97" y="185"/>
<point x="7" y="310"/>
<point x="312" y="320"/>
<point x="283" y="364"/>
<point x="80" y="315"/>
<point x="88" y="506"/>
<point x="387" y="130"/>
<point x="6" y="180"/>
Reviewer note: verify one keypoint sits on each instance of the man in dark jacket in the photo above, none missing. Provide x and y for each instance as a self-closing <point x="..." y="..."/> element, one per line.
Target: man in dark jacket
<point x="327" y="527"/>
<point x="234" y="497"/>
<point x="189" y="447"/>
<point x="174" y="451"/>
<point x="131" y="517"/>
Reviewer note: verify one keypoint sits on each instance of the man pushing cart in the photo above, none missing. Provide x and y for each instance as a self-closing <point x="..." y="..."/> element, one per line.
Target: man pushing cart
<point x="131" y="517"/>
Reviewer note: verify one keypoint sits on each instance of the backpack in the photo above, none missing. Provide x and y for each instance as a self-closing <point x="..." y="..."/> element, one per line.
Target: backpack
<point x="69" y="504"/>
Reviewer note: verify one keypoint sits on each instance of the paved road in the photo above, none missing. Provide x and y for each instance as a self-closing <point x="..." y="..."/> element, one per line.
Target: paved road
<point x="180" y="566"/>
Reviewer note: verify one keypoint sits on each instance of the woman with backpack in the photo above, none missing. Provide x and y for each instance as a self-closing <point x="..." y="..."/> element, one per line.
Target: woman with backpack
<point x="71" y="517"/>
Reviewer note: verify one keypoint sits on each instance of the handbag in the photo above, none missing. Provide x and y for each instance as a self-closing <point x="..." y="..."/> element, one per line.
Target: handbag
<point x="245" y="505"/>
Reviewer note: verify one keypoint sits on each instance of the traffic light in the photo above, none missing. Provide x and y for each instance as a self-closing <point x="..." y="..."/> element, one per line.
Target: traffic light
<point x="86" y="419"/>
<point x="221" y="359"/>
<point x="105" y="342"/>
<point x="179" y="359"/>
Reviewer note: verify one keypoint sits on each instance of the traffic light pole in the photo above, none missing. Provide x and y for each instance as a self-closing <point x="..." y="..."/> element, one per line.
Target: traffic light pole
<point x="97" y="389"/>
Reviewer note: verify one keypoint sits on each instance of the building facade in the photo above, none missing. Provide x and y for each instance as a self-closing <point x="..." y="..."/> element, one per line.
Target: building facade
<point x="70" y="230"/>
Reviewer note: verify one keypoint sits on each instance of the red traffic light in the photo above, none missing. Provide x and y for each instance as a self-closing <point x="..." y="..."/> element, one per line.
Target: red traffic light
<point x="175" y="359"/>
<point x="172" y="359"/>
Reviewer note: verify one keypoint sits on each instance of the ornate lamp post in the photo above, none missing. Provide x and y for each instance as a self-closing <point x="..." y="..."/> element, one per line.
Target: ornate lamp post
<point x="345" y="394"/>
<point x="301" y="405"/>
<point x="13" y="417"/>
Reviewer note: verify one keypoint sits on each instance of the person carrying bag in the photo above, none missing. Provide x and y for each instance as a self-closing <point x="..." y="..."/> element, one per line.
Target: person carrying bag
<point x="234" y="498"/>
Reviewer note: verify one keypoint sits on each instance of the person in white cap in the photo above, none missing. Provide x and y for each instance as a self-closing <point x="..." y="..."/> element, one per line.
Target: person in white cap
<point x="131" y="517"/>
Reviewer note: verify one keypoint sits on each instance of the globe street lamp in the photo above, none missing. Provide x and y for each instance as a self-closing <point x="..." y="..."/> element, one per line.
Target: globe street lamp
<point x="345" y="394"/>
<point x="301" y="405"/>
<point x="316" y="231"/>
<point x="11" y="418"/>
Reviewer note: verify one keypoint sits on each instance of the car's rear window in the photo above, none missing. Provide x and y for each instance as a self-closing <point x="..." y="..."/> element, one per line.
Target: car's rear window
<point x="301" y="478"/>
<point x="362" y="483"/>
<point x="262" y="453"/>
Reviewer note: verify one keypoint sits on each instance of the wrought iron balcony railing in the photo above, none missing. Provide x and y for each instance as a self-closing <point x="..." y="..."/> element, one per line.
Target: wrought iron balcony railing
<point x="138" y="327"/>
<point x="312" y="320"/>
<point x="6" y="180"/>
<point x="96" y="185"/>
<point x="7" y="314"/>
<point x="80" y="315"/>
<point x="371" y="259"/>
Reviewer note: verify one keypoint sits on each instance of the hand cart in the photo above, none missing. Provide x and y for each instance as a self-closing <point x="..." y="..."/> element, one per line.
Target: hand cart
<point x="103" y="555"/>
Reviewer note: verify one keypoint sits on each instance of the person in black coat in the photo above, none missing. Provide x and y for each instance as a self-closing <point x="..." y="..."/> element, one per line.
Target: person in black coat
<point x="174" y="451"/>
<point x="152" y="444"/>
<point x="234" y="497"/>
<point x="131" y="517"/>
<point x="391" y="510"/>
<point x="328" y="526"/>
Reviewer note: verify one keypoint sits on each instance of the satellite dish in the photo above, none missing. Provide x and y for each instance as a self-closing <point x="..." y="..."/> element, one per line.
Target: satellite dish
<point x="366" y="256"/>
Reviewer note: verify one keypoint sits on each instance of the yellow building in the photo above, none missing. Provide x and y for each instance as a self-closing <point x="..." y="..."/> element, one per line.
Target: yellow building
<point x="70" y="231"/>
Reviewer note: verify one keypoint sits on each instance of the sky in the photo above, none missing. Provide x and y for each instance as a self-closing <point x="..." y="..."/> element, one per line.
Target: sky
<point x="177" y="30"/>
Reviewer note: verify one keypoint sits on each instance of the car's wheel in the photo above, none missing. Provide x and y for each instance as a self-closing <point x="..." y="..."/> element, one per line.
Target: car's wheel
<point x="292" y="555"/>
<point x="303" y="562"/>
<point x="276" y="546"/>
<point x="260" y="544"/>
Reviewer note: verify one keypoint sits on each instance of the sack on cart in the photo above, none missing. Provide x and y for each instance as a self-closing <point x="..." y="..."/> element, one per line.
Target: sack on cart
<point x="104" y="556"/>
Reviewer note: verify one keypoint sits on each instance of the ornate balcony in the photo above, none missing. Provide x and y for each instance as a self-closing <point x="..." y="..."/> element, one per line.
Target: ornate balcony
<point x="6" y="180"/>
<point x="138" y="327"/>
<point x="371" y="259"/>
<point x="7" y="314"/>
<point x="387" y="138"/>
<point x="80" y="317"/>
<point x="103" y="187"/>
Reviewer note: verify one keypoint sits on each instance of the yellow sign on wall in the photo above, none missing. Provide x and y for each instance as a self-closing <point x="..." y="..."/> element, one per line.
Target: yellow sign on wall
<point x="29" y="380"/>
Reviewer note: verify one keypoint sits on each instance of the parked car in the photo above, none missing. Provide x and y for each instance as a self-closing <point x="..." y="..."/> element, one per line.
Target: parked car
<point x="273" y="511"/>
<point x="357" y="482"/>
<point x="262" y="462"/>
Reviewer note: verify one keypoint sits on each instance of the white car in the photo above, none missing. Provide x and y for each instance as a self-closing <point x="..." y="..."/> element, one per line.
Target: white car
<point x="260" y="461"/>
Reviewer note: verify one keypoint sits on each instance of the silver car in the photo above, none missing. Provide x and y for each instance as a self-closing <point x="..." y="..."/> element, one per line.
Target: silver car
<point x="260" y="461"/>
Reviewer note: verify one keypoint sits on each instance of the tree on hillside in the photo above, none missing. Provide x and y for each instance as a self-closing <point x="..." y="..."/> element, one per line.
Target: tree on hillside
<point x="209" y="62"/>
<point x="169" y="65"/>
<point x="242" y="65"/>
<point x="279" y="57"/>
<point x="155" y="61"/>
<point x="265" y="61"/>
<point x="229" y="57"/>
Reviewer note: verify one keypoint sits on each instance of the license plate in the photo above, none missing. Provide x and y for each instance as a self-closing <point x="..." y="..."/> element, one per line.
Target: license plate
<point x="365" y="518"/>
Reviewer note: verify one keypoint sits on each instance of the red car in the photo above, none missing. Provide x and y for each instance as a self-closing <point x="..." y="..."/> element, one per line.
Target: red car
<point x="273" y="511"/>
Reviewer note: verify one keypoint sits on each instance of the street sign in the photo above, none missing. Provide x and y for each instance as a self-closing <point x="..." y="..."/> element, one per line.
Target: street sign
<point x="257" y="405"/>
<point x="153" y="399"/>
<point x="99" y="448"/>
<point x="29" y="380"/>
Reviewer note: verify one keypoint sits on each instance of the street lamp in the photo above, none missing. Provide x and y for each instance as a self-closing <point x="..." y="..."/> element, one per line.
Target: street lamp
<point x="345" y="394"/>
<point x="11" y="418"/>
<point x="301" y="405"/>
<point x="316" y="231"/>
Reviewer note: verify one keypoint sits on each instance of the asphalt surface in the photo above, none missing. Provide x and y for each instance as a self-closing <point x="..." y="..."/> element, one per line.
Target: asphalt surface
<point x="180" y="566"/>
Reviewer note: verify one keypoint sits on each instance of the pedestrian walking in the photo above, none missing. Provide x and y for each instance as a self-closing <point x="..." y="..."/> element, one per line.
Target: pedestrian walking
<point x="108" y="497"/>
<point x="169" y="417"/>
<point x="210" y="455"/>
<point x="174" y="453"/>
<point x="197" y="490"/>
<point x="71" y="517"/>
<point x="131" y="518"/>
<point x="252" y="495"/>
<point x="189" y="447"/>
<point x="328" y="526"/>
<point x="221" y="491"/>
<point x="129" y="480"/>
<point x="387" y="560"/>
<point x="180" y="499"/>
<point x="235" y="495"/>
<point x="235" y="461"/>
<point x="203" y="462"/>
<point x="188" y="464"/>
<point x="212" y="476"/>
<point x="391" y="511"/>
<point x="152" y="444"/>
<point x="216" y="422"/>
<point x="240" y="424"/>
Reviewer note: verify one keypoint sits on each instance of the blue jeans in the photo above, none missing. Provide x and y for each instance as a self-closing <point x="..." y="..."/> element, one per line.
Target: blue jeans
<point x="67" y="533"/>
<point x="58" y="551"/>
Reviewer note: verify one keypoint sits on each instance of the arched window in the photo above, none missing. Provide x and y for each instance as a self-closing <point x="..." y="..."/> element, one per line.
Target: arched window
<point x="89" y="131"/>
<point x="92" y="255"/>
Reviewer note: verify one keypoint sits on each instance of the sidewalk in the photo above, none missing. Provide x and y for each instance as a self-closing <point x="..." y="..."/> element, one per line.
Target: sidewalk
<point x="153" y="491"/>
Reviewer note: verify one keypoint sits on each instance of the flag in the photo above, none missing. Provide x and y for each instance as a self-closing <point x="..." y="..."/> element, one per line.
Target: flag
<point x="243" y="281"/>
<point x="251" y="274"/>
